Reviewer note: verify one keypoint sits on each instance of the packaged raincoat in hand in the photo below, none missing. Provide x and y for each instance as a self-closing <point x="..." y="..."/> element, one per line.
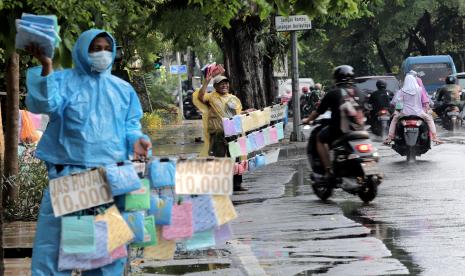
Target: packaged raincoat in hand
<point x="40" y="29"/>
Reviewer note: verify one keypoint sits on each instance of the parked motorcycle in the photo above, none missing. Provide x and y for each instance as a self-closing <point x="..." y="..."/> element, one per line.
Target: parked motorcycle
<point x="354" y="165"/>
<point x="412" y="137"/>
<point x="189" y="109"/>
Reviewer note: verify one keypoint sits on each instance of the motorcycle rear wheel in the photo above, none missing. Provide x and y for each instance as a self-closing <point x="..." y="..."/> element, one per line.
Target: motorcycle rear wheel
<point x="322" y="190"/>
<point x="369" y="192"/>
<point x="411" y="156"/>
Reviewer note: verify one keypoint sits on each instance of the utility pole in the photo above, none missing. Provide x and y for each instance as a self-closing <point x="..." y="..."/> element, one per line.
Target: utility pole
<point x="296" y="132"/>
<point x="292" y="24"/>
<point x="181" y="108"/>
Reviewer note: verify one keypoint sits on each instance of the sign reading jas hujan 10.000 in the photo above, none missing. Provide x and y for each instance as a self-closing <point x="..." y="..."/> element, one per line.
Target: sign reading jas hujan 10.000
<point x="212" y="176"/>
<point x="80" y="191"/>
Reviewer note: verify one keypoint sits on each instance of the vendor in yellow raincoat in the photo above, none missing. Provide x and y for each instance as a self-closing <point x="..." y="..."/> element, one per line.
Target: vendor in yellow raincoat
<point x="215" y="106"/>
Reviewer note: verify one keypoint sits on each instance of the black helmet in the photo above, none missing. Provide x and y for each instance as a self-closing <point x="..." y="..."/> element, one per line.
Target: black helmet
<point x="344" y="74"/>
<point x="451" y="80"/>
<point x="381" y="84"/>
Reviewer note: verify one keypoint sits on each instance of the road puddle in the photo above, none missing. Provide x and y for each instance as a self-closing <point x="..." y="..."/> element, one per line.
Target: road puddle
<point x="300" y="183"/>
<point x="183" y="269"/>
<point x="388" y="235"/>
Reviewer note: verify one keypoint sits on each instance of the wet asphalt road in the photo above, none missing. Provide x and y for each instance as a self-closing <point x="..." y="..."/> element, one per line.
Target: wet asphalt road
<point x="419" y="212"/>
<point x="414" y="227"/>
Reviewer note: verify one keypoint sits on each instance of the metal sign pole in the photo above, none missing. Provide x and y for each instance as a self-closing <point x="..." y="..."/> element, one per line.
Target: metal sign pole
<point x="181" y="107"/>
<point x="296" y="134"/>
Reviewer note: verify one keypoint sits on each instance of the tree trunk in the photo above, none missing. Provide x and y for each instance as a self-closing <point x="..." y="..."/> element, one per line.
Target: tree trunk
<point x="244" y="62"/>
<point x="382" y="57"/>
<point x="190" y="67"/>
<point x="11" y="135"/>
<point x="2" y="154"/>
<point x="428" y="33"/>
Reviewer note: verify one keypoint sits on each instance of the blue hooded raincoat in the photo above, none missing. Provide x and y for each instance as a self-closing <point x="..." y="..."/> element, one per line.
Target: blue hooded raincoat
<point x="94" y="117"/>
<point x="94" y="121"/>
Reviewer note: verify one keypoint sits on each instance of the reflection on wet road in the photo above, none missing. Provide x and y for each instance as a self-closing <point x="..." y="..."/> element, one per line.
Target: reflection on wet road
<point x="294" y="233"/>
<point x="418" y="213"/>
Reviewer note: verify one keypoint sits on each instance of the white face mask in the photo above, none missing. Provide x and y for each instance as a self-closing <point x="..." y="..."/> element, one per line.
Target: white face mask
<point x="99" y="61"/>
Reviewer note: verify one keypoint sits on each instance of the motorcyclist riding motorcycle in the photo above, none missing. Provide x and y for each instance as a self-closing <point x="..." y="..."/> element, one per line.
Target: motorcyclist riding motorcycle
<point x="448" y="95"/>
<point x="334" y="100"/>
<point x="380" y="99"/>
<point x="308" y="101"/>
<point x="379" y="102"/>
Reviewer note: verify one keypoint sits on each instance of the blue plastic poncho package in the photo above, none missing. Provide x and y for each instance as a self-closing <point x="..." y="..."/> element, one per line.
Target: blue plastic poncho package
<point x="122" y="178"/>
<point x="162" y="172"/>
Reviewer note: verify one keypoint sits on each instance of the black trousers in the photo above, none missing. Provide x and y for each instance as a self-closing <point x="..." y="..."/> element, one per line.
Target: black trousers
<point x="219" y="148"/>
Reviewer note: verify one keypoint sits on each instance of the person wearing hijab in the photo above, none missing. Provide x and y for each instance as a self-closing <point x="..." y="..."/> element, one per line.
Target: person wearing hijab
<point x="94" y="121"/>
<point x="409" y="101"/>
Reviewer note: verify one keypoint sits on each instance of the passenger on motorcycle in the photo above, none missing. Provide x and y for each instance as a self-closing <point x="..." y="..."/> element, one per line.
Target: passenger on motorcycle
<point x="408" y="101"/>
<point x="341" y="100"/>
<point x="448" y="95"/>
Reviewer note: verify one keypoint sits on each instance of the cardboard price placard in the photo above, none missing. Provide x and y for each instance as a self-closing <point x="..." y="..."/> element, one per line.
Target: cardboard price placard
<point x="278" y="112"/>
<point x="205" y="176"/>
<point x="77" y="192"/>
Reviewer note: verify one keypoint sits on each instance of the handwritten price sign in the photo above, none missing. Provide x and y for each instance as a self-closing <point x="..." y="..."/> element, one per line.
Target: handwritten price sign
<point x="278" y="112"/>
<point x="205" y="176"/>
<point x="78" y="192"/>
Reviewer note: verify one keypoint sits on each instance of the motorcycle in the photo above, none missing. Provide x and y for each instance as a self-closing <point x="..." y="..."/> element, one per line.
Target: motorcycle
<point x="354" y="164"/>
<point x="190" y="111"/>
<point x="380" y="124"/>
<point x="412" y="137"/>
<point x="450" y="118"/>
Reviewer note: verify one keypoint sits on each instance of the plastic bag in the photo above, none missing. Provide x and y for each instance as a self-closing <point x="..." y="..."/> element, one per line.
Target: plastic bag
<point x="135" y="220"/>
<point x="203" y="213"/>
<point x="119" y="232"/>
<point x="28" y="133"/>
<point x="150" y="233"/>
<point x="162" y="173"/>
<point x="122" y="178"/>
<point x="224" y="209"/>
<point x="228" y="126"/>
<point x="260" y="160"/>
<point x="160" y="208"/>
<point x="181" y="226"/>
<point x="88" y="261"/>
<point x="78" y="234"/>
<point x="201" y="240"/>
<point x="164" y="250"/>
<point x="140" y="199"/>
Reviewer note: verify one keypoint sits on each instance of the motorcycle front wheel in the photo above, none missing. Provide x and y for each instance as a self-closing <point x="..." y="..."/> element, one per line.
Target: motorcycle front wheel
<point x="369" y="191"/>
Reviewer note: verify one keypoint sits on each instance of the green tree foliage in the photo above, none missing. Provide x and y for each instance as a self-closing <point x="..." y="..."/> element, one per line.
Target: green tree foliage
<point x="378" y="42"/>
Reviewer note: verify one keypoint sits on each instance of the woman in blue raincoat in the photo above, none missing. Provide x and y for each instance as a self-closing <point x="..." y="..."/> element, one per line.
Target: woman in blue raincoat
<point x="94" y="121"/>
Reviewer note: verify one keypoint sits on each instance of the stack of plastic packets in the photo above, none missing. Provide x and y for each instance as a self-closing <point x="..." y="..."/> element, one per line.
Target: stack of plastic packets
<point x="186" y="221"/>
<point x="42" y="30"/>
